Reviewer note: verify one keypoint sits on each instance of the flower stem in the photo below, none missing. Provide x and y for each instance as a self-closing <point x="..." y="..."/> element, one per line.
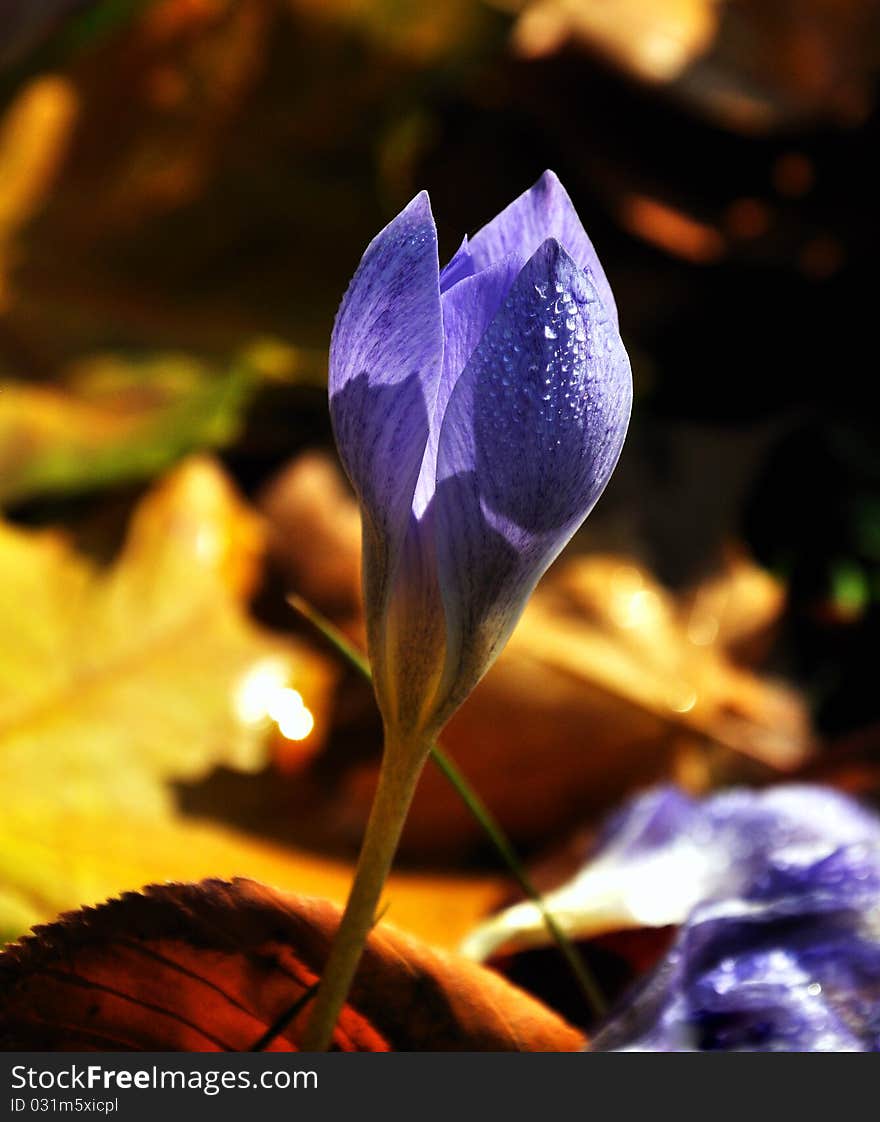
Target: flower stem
<point x="588" y="984"/>
<point x="400" y="770"/>
<point x="480" y="812"/>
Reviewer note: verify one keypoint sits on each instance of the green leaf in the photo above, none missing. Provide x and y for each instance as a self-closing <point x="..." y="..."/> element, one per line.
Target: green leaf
<point x="113" y="420"/>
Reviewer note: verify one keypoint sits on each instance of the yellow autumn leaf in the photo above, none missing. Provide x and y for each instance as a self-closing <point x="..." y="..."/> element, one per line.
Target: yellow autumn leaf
<point x="53" y="862"/>
<point x="115" y="681"/>
<point x="610" y="621"/>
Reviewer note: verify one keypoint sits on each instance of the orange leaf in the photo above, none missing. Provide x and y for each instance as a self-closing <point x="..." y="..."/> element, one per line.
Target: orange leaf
<point x="211" y="966"/>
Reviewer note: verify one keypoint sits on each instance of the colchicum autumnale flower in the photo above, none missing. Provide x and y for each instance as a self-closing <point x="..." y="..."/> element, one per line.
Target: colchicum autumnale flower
<point x="479" y="411"/>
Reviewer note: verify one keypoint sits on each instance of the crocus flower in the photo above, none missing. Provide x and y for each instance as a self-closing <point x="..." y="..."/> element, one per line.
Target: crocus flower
<point x="479" y="411"/>
<point x="779" y="948"/>
<point x="664" y="853"/>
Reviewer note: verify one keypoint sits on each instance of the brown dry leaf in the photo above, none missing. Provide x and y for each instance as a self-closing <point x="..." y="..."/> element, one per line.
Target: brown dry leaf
<point x="638" y="641"/>
<point x="114" y="682"/>
<point x="211" y="966"/>
<point x="53" y="861"/>
<point x="315" y="534"/>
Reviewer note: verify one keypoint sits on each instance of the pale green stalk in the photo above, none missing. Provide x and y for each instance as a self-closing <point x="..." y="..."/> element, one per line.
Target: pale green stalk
<point x="401" y="766"/>
<point x="382" y="847"/>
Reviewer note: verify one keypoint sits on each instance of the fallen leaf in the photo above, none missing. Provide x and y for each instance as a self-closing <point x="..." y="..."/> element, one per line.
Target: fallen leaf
<point x="145" y="672"/>
<point x="114" y="682"/>
<point x="638" y="641"/>
<point x="210" y="967"/>
<point x="315" y="535"/>
<point x="111" y="420"/>
<point x="53" y="860"/>
<point x="117" y="681"/>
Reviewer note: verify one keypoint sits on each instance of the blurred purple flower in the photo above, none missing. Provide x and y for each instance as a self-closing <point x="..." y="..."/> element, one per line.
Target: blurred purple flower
<point x="782" y="950"/>
<point x="479" y="412"/>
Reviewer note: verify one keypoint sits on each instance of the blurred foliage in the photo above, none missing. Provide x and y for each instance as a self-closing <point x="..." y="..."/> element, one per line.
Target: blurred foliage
<point x="108" y="420"/>
<point x="113" y="682"/>
<point x="751" y="65"/>
<point x="25" y="23"/>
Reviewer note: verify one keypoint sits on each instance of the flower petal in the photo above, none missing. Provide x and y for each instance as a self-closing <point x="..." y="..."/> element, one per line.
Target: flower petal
<point x="530" y="437"/>
<point x="664" y="853"/>
<point x="385" y="357"/>
<point x="414" y="633"/>
<point x="778" y="950"/>
<point x="544" y="211"/>
<point x="468" y="309"/>
<point x="459" y="266"/>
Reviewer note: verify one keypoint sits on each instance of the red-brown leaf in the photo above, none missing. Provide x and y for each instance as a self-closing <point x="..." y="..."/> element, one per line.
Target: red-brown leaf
<point x="210" y="966"/>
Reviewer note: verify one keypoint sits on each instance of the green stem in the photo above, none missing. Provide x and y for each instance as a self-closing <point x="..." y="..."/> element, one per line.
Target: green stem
<point x="400" y="770"/>
<point x="480" y="812"/>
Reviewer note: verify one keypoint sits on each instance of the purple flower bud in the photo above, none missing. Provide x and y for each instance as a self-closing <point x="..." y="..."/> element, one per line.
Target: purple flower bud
<point x="779" y="949"/>
<point x="479" y="412"/>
